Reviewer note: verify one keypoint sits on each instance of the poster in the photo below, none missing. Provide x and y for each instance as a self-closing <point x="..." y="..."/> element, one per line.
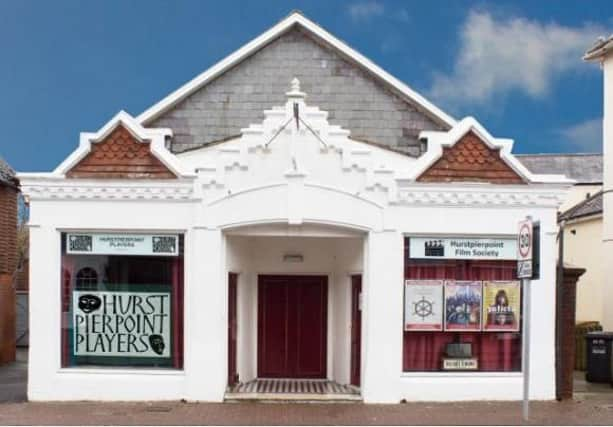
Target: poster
<point x="122" y="244"/>
<point x="462" y="305"/>
<point x="501" y="306"/>
<point x="462" y="248"/>
<point x="127" y="324"/>
<point x="423" y="305"/>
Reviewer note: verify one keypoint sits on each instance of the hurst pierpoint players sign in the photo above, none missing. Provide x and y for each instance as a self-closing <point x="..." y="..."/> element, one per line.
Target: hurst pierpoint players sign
<point x="129" y="324"/>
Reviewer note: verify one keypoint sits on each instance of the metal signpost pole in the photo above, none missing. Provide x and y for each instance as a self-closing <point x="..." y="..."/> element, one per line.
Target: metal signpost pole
<point x="526" y="347"/>
<point x="525" y="272"/>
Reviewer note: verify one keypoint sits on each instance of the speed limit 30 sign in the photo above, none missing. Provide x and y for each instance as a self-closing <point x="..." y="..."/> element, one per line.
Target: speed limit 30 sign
<point x="524" y="249"/>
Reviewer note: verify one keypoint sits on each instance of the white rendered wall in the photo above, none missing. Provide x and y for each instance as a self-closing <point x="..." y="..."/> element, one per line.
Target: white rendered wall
<point x="607" y="187"/>
<point x="583" y="248"/>
<point x="206" y="265"/>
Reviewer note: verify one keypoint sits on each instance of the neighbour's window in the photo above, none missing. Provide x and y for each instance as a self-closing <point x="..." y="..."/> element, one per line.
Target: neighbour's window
<point x="122" y="300"/>
<point x="461" y="314"/>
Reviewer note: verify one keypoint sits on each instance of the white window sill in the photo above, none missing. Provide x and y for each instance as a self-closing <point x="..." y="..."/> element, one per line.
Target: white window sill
<point x="122" y="371"/>
<point x="461" y="374"/>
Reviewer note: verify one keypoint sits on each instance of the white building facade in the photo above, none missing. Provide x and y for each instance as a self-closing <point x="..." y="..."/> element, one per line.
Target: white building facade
<point x="291" y="250"/>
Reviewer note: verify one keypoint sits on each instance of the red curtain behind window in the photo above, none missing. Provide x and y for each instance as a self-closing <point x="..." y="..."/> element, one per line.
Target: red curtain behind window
<point x="496" y="351"/>
<point x="177" y="310"/>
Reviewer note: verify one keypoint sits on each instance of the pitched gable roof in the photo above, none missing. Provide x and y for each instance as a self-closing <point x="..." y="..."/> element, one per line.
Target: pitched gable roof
<point x="471" y="160"/>
<point x="583" y="168"/>
<point x="122" y="148"/>
<point x="7" y="174"/>
<point x="508" y="166"/>
<point x="294" y="19"/>
<point x="588" y="207"/>
<point x="601" y="48"/>
<point x="120" y="155"/>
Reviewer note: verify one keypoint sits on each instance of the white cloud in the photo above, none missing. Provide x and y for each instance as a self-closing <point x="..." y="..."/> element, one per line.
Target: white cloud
<point x="365" y="10"/>
<point x="497" y="56"/>
<point x="585" y="136"/>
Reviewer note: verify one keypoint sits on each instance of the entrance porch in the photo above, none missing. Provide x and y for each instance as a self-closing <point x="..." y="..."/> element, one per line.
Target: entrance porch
<point x="294" y="324"/>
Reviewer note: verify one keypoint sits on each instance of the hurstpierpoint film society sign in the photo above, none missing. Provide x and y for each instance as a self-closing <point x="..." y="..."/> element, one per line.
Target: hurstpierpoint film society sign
<point x="462" y="248"/>
<point x="128" y="324"/>
<point x="122" y="244"/>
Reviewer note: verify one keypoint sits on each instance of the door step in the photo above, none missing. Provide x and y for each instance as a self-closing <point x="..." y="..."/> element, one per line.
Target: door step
<point x="292" y="390"/>
<point x="292" y="397"/>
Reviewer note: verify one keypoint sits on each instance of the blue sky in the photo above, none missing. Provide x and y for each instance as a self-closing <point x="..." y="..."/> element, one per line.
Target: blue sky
<point x="69" y="66"/>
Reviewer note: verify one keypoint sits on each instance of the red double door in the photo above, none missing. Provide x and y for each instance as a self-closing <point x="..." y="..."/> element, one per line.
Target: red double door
<point x="292" y="326"/>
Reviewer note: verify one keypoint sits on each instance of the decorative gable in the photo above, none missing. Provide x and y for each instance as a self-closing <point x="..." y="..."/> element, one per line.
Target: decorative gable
<point x="120" y="155"/>
<point x="471" y="160"/>
<point x="359" y="95"/>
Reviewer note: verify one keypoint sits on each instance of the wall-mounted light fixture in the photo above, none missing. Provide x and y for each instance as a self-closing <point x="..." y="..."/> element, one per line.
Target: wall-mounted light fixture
<point x="293" y="258"/>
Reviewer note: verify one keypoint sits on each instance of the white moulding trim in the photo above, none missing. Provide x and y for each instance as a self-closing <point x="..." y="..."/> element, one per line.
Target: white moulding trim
<point x="463" y="375"/>
<point x="481" y="195"/>
<point x="53" y="187"/>
<point x="121" y="371"/>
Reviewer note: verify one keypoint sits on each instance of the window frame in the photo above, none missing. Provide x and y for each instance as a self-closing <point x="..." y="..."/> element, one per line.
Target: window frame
<point x="120" y="369"/>
<point x="458" y="264"/>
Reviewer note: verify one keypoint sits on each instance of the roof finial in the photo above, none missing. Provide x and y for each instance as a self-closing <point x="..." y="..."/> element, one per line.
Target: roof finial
<point x="295" y="91"/>
<point x="295" y="85"/>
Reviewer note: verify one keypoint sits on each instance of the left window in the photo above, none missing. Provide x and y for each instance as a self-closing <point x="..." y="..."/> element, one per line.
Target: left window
<point x="122" y="300"/>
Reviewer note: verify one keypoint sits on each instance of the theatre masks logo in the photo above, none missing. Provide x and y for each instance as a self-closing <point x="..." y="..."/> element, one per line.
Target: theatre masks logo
<point x="129" y="324"/>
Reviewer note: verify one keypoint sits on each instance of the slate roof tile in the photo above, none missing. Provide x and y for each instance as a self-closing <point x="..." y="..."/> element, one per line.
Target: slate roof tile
<point x="590" y="206"/>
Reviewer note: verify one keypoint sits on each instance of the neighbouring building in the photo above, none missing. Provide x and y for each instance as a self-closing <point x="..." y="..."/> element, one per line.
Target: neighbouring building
<point x="581" y="217"/>
<point x="584" y="168"/>
<point x="9" y="190"/>
<point x="602" y="52"/>
<point x="583" y="247"/>
<point x="296" y="220"/>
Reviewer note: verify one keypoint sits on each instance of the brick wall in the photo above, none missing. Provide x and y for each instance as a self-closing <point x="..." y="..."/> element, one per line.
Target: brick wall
<point x="355" y="100"/>
<point x="471" y="160"/>
<point x="566" y="324"/>
<point x="8" y="264"/>
<point x="8" y="229"/>
<point x="120" y="155"/>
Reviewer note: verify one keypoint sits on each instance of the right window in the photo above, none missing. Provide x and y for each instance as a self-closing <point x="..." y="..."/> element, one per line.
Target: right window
<point x="460" y="314"/>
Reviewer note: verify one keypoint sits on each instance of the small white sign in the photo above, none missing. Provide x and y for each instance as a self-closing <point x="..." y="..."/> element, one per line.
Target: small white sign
<point x="524" y="269"/>
<point x="524" y="249"/>
<point x="122" y="244"/>
<point x="462" y="248"/>
<point x="468" y="364"/>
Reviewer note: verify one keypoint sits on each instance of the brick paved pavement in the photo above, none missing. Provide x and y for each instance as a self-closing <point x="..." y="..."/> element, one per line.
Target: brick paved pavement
<point x="594" y="405"/>
<point x="13" y="378"/>
<point x="172" y="413"/>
